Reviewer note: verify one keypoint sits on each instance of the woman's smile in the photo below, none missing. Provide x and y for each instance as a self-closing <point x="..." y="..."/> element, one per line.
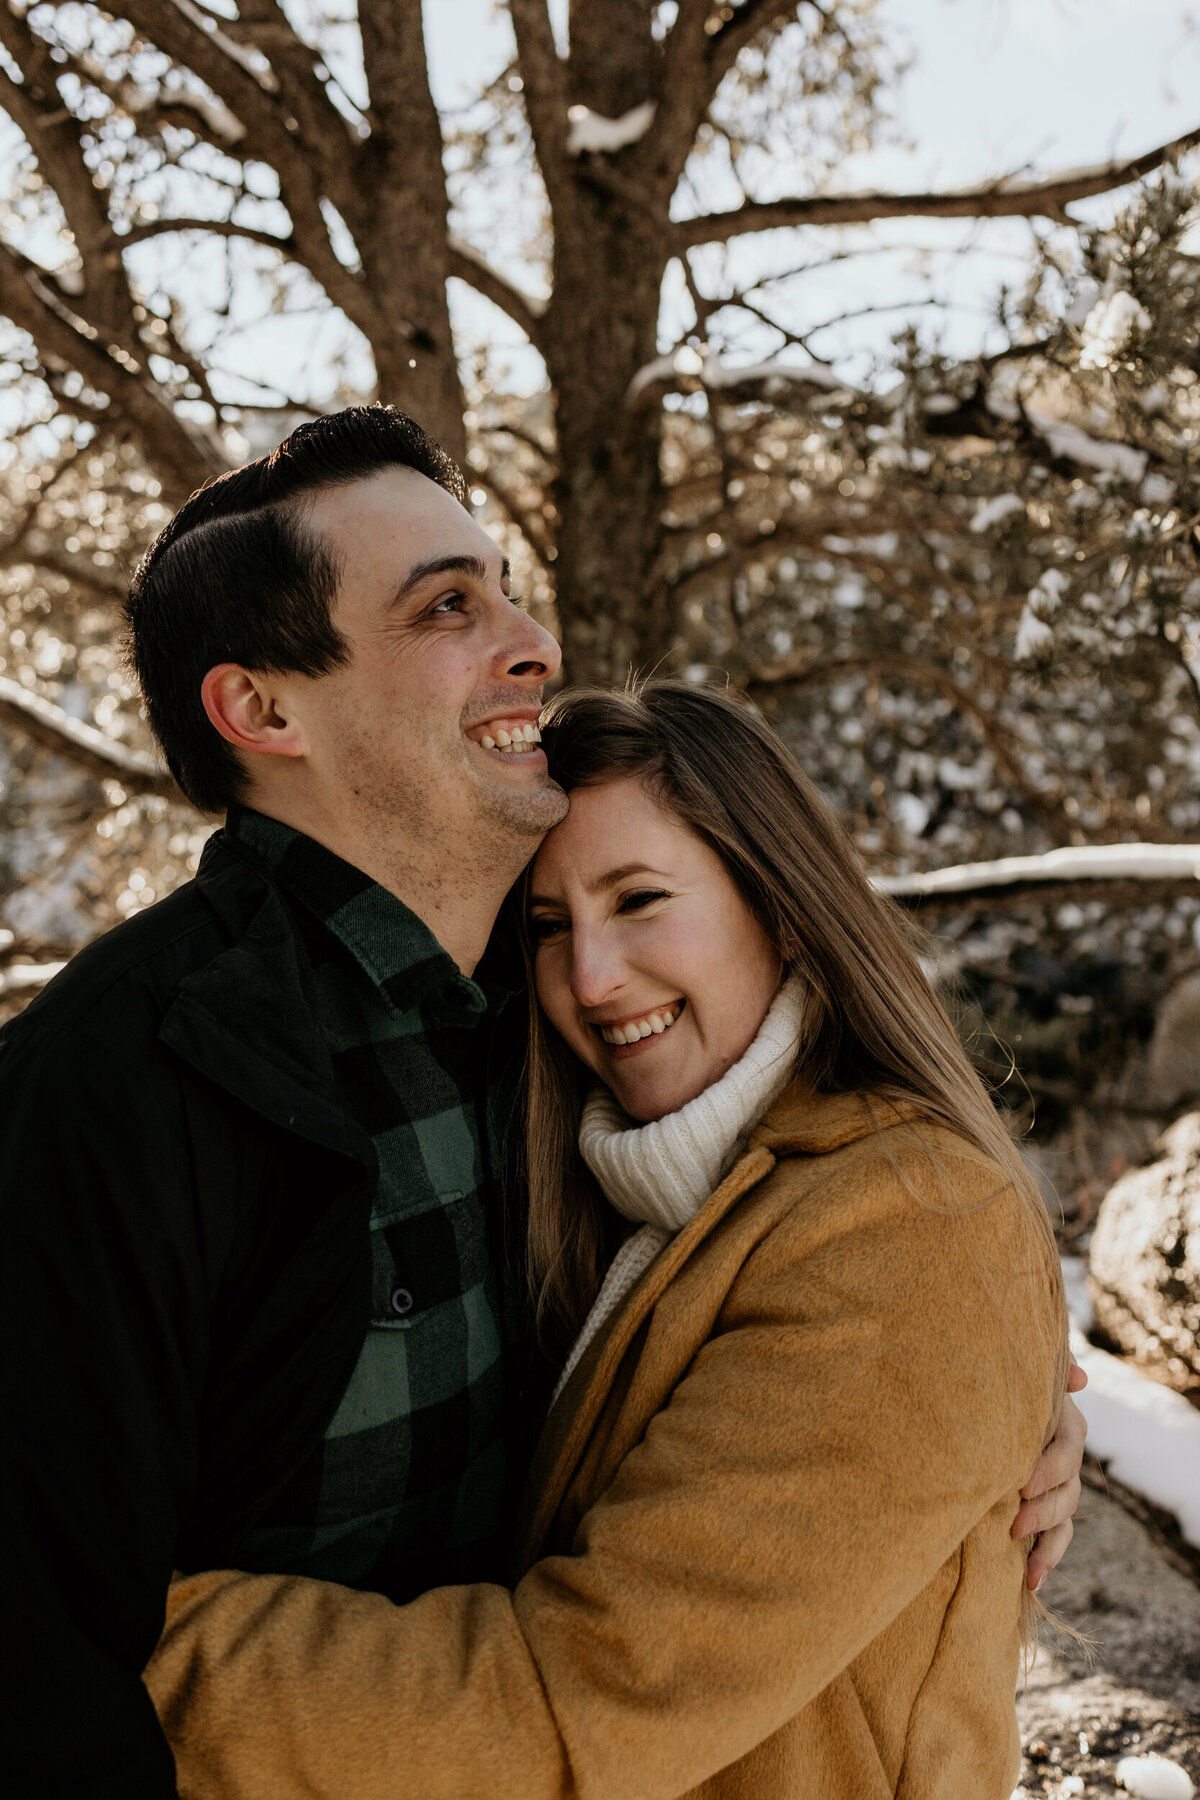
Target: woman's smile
<point x="649" y="964"/>
<point x="629" y="1034"/>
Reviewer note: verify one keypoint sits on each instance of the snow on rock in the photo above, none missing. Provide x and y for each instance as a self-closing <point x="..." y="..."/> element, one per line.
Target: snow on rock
<point x="990" y="512"/>
<point x="590" y="131"/>
<point x="1154" y="1778"/>
<point x="1074" y="862"/>
<point x="1147" y="1435"/>
<point x="1108" y="329"/>
<point x="1073" y="443"/>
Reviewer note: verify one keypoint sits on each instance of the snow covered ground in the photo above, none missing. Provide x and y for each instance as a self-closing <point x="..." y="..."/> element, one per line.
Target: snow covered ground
<point x="1148" y="1436"/>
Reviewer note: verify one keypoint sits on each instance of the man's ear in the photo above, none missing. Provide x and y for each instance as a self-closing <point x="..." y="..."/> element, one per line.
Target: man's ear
<point x="245" y="708"/>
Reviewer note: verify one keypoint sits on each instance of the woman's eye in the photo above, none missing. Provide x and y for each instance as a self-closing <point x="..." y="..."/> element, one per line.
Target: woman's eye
<point x="643" y="897"/>
<point x="544" y="928"/>
<point x="452" y="602"/>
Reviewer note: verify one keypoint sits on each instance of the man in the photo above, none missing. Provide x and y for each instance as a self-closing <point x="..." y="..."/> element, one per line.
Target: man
<point x="255" y="1265"/>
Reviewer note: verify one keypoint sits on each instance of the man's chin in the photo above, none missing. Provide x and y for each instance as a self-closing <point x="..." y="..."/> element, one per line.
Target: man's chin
<point x="528" y="811"/>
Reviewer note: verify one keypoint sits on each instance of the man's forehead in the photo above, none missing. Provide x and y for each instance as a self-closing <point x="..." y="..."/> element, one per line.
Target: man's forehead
<point x="399" y="515"/>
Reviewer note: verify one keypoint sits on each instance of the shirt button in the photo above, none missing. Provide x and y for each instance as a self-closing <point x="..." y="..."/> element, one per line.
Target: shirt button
<point x="402" y="1302"/>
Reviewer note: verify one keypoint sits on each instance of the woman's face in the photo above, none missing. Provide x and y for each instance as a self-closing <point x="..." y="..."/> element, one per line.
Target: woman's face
<point x="649" y="962"/>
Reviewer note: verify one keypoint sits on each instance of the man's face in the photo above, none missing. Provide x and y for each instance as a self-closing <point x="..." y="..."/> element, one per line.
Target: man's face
<point x="441" y="659"/>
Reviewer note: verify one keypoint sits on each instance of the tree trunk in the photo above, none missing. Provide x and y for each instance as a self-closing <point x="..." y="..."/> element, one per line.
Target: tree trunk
<point x="601" y="331"/>
<point x="402" y="226"/>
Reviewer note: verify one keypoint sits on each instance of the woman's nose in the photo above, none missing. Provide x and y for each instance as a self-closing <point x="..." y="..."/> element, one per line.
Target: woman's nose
<point x="595" y="973"/>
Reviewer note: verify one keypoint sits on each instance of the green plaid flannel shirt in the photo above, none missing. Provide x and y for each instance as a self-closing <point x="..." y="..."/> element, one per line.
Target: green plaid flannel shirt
<point x="410" y="1487"/>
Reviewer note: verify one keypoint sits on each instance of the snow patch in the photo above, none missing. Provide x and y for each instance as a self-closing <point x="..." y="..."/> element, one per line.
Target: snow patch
<point x="1108" y="329"/>
<point x="591" y="132"/>
<point x="1154" y="1778"/>
<point x="990" y="512"/>
<point x="1073" y="443"/>
<point x="1146" y="1434"/>
<point x="1034" y="636"/>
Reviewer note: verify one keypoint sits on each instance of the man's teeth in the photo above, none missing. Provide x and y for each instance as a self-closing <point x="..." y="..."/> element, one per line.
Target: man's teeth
<point x="652" y="1025"/>
<point x="517" y="742"/>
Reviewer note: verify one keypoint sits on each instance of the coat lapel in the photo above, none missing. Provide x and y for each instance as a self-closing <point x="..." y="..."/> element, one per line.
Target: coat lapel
<point x="800" y="1123"/>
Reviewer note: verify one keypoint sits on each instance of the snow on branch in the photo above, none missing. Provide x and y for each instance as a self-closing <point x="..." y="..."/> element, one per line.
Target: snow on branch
<point x="100" y="754"/>
<point x="768" y="379"/>
<point x="588" y="131"/>
<point x="1075" y="445"/>
<point x="1082" y="862"/>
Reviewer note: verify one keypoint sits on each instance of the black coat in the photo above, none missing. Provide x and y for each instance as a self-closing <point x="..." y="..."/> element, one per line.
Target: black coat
<point x="184" y="1290"/>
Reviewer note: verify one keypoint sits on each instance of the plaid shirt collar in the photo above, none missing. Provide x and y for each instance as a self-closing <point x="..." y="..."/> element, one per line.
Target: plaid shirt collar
<point x="395" y="949"/>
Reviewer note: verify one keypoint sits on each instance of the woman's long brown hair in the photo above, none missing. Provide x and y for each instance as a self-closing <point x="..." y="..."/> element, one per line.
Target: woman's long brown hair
<point x="871" y="1020"/>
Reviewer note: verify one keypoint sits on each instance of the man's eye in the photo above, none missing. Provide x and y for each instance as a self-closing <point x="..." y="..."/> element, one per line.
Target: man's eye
<point x="543" y="928"/>
<point x="452" y="603"/>
<point x="643" y="897"/>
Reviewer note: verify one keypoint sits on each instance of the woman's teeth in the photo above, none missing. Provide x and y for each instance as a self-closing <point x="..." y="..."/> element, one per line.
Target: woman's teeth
<point x="652" y="1025"/>
<point x="517" y="742"/>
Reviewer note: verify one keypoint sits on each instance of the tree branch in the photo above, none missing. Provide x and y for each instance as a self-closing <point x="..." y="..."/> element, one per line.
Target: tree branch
<point x="544" y="78"/>
<point x="470" y="266"/>
<point x="183" y="459"/>
<point x="751" y="18"/>
<point x="1006" y="198"/>
<point x="153" y="228"/>
<point x="92" y="749"/>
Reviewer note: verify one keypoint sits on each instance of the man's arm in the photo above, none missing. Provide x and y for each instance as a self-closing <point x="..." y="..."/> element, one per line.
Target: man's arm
<point x="104" y="1344"/>
<point x="1050" y="1498"/>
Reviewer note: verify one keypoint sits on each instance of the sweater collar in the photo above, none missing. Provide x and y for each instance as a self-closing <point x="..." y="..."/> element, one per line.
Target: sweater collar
<point x="662" y="1173"/>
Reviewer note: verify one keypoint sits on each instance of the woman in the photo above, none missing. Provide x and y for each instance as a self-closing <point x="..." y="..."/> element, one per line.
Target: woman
<point x="768" y="1553"/>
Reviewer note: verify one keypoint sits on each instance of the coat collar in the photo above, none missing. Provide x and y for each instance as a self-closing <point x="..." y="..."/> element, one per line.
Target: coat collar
<point x="246" y="1018"/>
<point x="804" y="1123"/>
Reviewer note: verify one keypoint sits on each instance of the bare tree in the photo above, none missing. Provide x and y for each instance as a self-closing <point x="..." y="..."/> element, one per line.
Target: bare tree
<point x="134" y="112"/>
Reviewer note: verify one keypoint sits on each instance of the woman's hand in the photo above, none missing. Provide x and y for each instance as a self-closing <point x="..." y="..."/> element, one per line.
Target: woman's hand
<point x="1051" y="1495"/>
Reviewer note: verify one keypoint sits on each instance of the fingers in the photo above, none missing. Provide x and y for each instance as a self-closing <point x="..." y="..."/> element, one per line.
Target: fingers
<point x="1076" y="1378"/>
<point x="1047" y="1553"/>
<point x="1063" y="1456"/>
<point x="1049" y="1511"/>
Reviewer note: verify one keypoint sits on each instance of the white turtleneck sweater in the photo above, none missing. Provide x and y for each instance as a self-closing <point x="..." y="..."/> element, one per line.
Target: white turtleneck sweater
<point x="661" y="1174"/>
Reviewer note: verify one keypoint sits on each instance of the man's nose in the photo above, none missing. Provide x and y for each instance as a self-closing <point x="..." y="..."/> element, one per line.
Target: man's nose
<point x="531" y="653"/>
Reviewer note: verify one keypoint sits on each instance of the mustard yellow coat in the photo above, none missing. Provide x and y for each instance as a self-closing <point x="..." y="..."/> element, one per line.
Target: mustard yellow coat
<point x="768" y="1555"/>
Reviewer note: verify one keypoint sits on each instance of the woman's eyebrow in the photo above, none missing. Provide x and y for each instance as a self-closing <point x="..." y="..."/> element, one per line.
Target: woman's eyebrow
<point x="610" y="879"/>
<point x="473" y="567"/>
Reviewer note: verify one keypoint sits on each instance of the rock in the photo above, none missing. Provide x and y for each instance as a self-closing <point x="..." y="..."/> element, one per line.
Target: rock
<point x="1173" y="1058"/>
<point x="1139" y="1696"/>
<point x="1144" y="1262"/>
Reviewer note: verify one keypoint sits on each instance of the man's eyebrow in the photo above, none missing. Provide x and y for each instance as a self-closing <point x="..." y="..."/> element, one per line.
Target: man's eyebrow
<point x="610" y="879"/>
<point x="473" y="567"/>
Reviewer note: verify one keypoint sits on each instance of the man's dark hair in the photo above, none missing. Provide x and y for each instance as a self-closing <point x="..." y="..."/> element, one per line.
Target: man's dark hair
<point x="237" y="576"/>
